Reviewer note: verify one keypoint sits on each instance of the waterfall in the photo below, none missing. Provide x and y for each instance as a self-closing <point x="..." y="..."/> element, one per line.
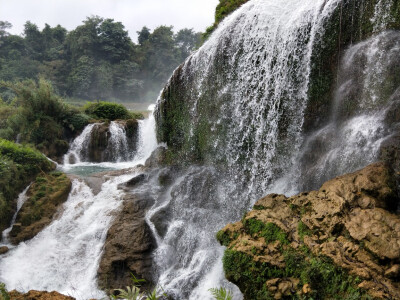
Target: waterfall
<point x="79" y="146"/>
<point x="243" y="97"/>
<point x="65" y="255"/>
<point x="244" y="94"/>
<point x="382" y="15"/>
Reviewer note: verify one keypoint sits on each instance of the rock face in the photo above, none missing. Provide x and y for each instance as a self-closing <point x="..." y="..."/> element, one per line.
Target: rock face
<point x="46" y="195"/>
<point x="129" y="243"/>
<point x="99" y="149"/>
<point x="342" y="240"/>
<point x="38" y="295"/>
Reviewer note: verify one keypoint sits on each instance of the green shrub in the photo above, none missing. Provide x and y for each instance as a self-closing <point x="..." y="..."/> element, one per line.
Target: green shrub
<point x="3" y="292"/>
<point x="106" y="110"/>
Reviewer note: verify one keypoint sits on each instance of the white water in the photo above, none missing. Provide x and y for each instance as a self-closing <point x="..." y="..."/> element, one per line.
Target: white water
<point x="65" y="255"/>
<point x="382" y="15"/>
<point x="266" y="46"/>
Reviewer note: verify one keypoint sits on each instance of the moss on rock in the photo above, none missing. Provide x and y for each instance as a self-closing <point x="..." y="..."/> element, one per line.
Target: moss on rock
<point x="340" y="242"/>
<point x="45" y="195"/>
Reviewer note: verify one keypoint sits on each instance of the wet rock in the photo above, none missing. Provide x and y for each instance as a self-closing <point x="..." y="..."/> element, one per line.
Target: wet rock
<point x="3" y="250"/>
<point x="157" y="157"/>
<point x="129" y="245"/>
<point x="134" y="181"/>
<point x="348" y="226"/>
<point x="38" y="295"/>
<point x="45" y="197"/>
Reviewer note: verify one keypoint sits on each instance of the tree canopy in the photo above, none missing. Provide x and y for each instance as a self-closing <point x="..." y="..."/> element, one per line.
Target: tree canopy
<point x="96" y="60"/>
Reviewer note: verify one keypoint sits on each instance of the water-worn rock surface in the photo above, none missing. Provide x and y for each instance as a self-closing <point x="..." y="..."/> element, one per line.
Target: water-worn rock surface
<point x="38" y="295"/>
<point x="343" y="239"/>
<point x="129" y="244"/>
<point x="45" y="196"/>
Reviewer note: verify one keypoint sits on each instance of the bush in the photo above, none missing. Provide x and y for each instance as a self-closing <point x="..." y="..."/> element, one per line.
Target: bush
<point x="106" y="110"/>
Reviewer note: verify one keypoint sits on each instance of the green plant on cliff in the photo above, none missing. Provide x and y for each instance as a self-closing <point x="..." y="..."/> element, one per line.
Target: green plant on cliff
<point x="18" y="166"/>
<point x="3" y="292"/>
<point x="221" y="293"/>
<point x="224" y="8"/>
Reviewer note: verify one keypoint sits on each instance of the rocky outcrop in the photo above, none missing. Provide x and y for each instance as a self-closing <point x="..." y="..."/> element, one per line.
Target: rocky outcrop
<point x="38" y="295"/>
<point x="45" y="196"/>
<point x="129" y="243"/>
<point x="343" y="240"/>
<point x="99" y="146"/>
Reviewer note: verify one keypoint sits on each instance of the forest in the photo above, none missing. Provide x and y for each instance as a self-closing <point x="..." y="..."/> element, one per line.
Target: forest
<point x="96" y="60"/>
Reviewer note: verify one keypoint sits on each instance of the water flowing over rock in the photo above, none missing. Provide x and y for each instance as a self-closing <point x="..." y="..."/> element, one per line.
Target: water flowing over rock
<point x="100" y="142"/>
<point x="281" y="98"/>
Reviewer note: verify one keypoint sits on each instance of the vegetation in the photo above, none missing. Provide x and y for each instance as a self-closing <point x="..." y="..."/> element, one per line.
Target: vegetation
<point x="269" y="231"/>
<point x="221" y="293"/>
<point x="3" y="292"/>
<point x="96" y="60"/>
<point x="18" y="166"/>
<point x="134" y="293"/>
<point x="46" y="193"/>
<point x="37" y="115"/>
<point x="109" y="111"/>
<point x="327" y="280"/>
<point x="224" y="8"/>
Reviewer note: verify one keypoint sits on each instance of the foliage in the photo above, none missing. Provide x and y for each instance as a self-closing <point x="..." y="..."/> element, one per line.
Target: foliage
<point x="37" y="115"/>
<point x="3" y="292"/>
<point x="130" y="293"/>
<point x="133" y="293"/>
<point x="96" y="60"/>
<point x="221" y="293"/>
<point x="224" y="8"/>
<point x="106" y="110"/>
<point x="18" y="166"/>
<point x="326" y="280"/>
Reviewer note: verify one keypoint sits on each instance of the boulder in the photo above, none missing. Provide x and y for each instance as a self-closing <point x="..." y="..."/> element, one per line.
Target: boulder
<point x="3" y="250"/>
<point x="345" y="234"/>
<point x="129" y="245"/>
<point x="45" y="196"/>
<point x="38" y="295"/>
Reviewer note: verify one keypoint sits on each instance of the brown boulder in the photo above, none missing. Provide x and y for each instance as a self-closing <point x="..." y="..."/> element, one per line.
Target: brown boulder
<point x="351" y="220"/>
<point x="129" y="245"/>
<point x="38" y="295"/>
<point x="45" y="197"/>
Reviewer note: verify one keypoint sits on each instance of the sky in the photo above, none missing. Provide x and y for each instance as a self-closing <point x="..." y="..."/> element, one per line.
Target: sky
<point x="134" y="14"/>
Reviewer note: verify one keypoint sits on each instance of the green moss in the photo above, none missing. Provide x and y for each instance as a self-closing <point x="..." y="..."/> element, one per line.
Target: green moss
<point x="269" y="231"/>
<point x="326" y="280"/>
<point x="18" y="167"/>
<point x="44" y="195"/>
<point x="303" y="230"/>
<point x="225" y="237"/>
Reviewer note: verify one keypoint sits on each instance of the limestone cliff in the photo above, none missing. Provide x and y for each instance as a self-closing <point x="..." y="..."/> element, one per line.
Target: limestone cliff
<point x="340" y="241"/>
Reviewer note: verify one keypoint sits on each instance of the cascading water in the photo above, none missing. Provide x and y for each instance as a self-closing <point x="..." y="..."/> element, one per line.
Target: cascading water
<point x="245" y="93"/>
<point x="65" y="255"/>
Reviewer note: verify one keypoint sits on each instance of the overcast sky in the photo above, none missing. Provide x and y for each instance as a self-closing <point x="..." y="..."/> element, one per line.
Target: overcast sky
<point x="134" y="14"/>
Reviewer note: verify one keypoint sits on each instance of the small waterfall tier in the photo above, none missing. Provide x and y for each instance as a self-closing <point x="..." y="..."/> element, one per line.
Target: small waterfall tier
<point x="116" y="141"/>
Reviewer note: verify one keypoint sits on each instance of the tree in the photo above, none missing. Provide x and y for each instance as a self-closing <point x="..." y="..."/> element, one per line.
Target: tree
<point x="4" y="25"/>
<point x="187" y="40"/>
<point x="143" y="35"/>
<point x="114" y="40"/>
